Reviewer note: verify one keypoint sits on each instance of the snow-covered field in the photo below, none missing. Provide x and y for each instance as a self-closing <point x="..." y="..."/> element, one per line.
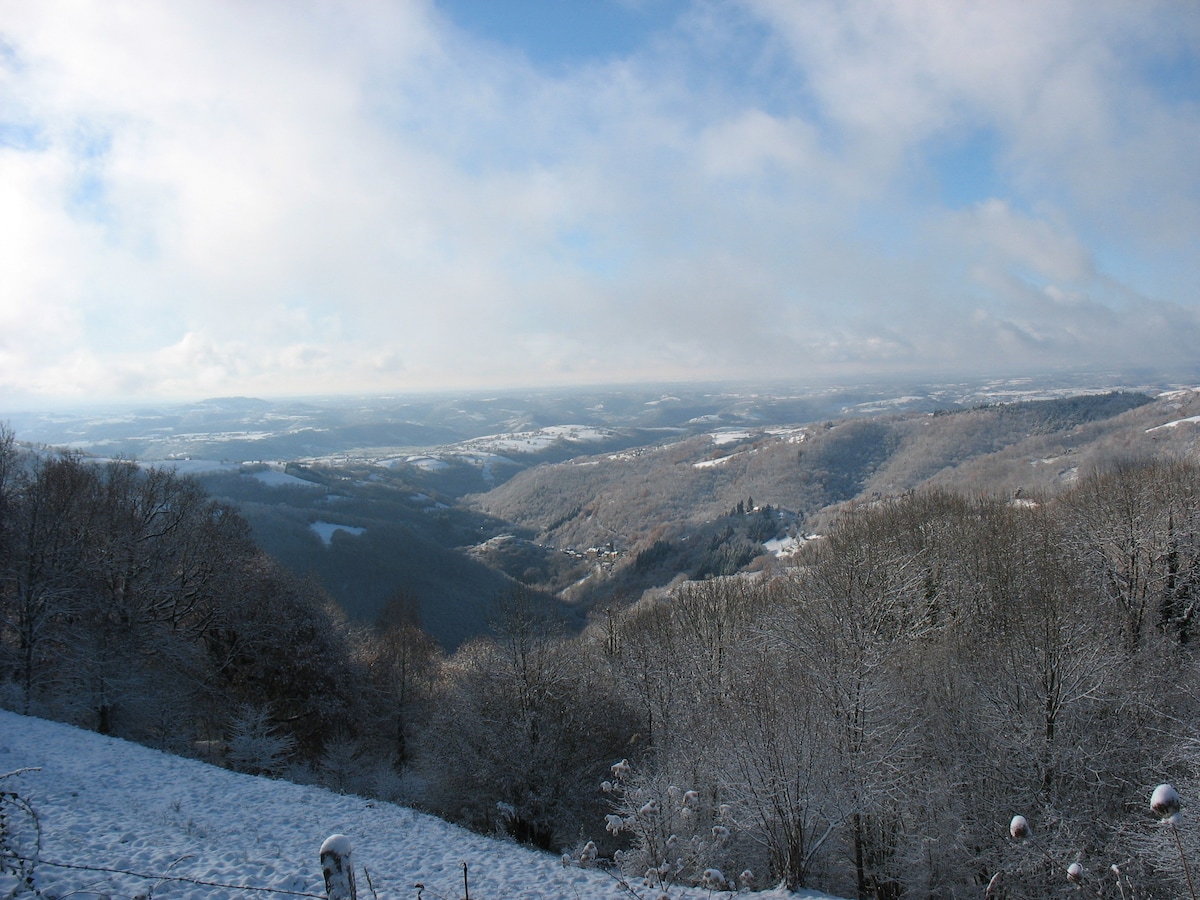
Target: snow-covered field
<point x="109" y="808"/>
<point x="325" y="530"/>
<point x="274" y="478"/>
<point x="536" y="440"/>
<point x="1190" y="420"/>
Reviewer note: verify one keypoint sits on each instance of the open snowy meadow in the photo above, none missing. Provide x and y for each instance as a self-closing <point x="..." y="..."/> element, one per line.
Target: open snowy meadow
<point x="119" y="820"/>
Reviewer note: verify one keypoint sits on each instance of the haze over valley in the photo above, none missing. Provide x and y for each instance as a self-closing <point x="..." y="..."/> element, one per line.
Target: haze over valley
<point x="594" y="496"/>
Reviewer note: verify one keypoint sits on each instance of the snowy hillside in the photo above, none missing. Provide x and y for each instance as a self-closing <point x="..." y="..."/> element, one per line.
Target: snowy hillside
<point x="111" y="808"/>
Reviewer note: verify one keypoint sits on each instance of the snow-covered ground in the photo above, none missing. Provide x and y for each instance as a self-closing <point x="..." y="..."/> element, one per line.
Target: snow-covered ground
<point x="1190" y="420"/>
<point x="274" y="478"/>
<point x="109" y="808"/>
<point x="428" y="463"/>
<point x="325" y="530"/>
<point x="533" y="441"/>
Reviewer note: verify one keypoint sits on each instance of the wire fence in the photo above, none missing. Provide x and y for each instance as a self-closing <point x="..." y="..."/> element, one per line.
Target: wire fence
<point x="159" y="878"/>
<point x="21" y="857"/>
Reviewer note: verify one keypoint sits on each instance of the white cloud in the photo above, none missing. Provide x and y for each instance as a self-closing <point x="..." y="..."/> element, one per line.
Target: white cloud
<point x="1007" y="239"/>
<point x="217" y="197"/>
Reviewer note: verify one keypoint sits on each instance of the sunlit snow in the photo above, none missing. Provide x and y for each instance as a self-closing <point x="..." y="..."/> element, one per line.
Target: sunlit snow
<point x="1190" y="420"/>
<point x="118" y="808"/>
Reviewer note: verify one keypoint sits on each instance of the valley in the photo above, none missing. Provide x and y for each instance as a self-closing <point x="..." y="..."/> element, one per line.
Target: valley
<point x="592" y="497"/>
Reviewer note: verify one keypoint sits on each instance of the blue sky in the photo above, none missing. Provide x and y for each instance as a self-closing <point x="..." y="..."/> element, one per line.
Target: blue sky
<point x="206" y="197"/>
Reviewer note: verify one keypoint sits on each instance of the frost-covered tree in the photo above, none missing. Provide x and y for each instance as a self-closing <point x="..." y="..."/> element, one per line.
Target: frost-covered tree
<point x="675" y="835"/>
<point x="401" y="660"/>
<point x="863" y="611"/>
<point x="279" y="641"/>
<point x="257" y="745"/>
<point x="48" y="527"/>
<point x="522" y="728"/>
<point x="777" y="773"/>
<point x="1135" y="526"/>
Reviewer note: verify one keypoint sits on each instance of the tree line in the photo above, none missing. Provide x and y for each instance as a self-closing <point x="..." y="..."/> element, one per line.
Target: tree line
<point x="869" y="722"/>
<point x="866" y="723"/>
<point x="133" y="604"/>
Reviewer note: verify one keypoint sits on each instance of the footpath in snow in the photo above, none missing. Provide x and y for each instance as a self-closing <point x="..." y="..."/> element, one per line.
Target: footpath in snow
<point x="112" y="805"/>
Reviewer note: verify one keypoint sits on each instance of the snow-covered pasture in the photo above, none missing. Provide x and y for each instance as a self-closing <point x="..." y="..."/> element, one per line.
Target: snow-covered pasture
<point x="1190" y="420"/>
<point x="273" y="478"/>
<point x="325" y="530"/>
<point x="111" y="808"/>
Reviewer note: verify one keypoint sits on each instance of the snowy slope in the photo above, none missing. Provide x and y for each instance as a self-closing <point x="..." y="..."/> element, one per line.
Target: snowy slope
<point x="109" y="804"/>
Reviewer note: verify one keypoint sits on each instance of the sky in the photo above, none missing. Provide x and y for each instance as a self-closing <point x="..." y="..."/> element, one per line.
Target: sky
<point x="292" y="197"/>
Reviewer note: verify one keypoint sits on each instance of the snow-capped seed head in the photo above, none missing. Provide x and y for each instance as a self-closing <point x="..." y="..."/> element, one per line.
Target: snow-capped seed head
<point x="746" y="878"/>
<point x="1115" y="869"/>
<point x="1019" y="828"/>
<point x="1166" y="803"/>
<point x="620" y="770"/>
<point x="691" y="798"/>
<point x="606" y="786"/>
<point x="724" y="810"/>
<point x="673" y="842"/>
<point x="588" y="853"/>
<point x="1075" y="874"/>
<point x="613" y="824"/>
<point x="687" y="813"/>
<point x="650" y="808"/>
<point x="713" y="879"/>
<point x="720" y="832"/>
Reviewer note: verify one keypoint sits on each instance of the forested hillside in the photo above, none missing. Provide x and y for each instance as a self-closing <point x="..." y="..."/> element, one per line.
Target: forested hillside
<point x="134" y="604"/>
<point x="864" y="718"/>
<point x="701" y="505"/>
<point x="366" y="533"/>
<point x="593" y="497"/>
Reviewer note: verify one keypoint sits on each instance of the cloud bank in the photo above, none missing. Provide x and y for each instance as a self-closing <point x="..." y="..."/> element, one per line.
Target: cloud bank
<point x="204" y="197"/>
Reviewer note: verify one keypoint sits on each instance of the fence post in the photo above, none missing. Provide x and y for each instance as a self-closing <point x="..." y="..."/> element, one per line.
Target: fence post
<point x="338" y="868"/>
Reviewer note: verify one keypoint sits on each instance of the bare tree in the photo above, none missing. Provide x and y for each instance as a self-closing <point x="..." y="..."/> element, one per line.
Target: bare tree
<point x="48" y="527"/>
<point x="401" y="659"/>
<point x="777" y="773"/>
<point x="523" y="727"/>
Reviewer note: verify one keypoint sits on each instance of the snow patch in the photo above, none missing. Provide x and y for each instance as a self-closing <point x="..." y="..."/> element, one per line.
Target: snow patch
<point x="427" y="463"/>
<point x="1190" y="420"/>
<point x="709" y="463"/>
<point x="538" y="440"/>
<point x="1178" y="394"/>
<point x="271" y="478"/>
<point x="786" y="546"/>
<point x="197" y="466"/>
<point x="325" y="530"/>
<point x="720" y="438"/>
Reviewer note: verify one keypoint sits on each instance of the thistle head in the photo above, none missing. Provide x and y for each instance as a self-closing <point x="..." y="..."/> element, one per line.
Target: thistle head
<point x="1019" y="828"/>
<point x="1166" y="804"/>
<point x="1075" y="874"/>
